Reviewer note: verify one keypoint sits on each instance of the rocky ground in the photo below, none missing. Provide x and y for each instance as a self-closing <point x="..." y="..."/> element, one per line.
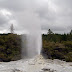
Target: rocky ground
<point x="37" y="64"/>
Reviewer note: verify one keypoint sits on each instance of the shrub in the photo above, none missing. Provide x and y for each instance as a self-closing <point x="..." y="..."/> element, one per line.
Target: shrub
<point x="68" y="57"/>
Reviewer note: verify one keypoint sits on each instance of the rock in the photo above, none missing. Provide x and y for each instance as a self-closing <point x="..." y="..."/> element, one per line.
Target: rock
<point x="16" y="70"/>
<point x="48" y="70"/>
<point x="45" y="69"/>
<point x="37" y="64"/>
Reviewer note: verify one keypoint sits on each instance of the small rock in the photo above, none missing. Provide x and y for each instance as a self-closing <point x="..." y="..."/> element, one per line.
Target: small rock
<point x="45" y="69"/>
<point x="16" y="70"/>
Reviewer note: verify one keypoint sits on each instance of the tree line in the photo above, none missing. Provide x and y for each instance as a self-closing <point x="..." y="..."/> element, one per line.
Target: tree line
<point x="54" y="46"/>
<point x="57" y="46"/>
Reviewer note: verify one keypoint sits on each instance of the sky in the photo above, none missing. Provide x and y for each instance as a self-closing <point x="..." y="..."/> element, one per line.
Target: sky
<point x="49" y="14"/>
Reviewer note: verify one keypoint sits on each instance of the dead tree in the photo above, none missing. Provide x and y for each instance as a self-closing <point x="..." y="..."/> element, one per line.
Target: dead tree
<point x="12" y="28"/>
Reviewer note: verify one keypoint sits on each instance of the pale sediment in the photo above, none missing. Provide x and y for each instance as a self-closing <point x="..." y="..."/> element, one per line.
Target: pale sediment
<point x="37" y="64"/>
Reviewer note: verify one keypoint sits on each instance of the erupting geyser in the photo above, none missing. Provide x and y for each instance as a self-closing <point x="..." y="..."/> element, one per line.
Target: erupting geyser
<point x="31" y="40"/>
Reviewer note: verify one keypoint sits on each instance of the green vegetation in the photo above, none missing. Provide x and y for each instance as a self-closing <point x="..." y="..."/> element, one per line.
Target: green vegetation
<point x="57" y="46"/>
<point x="10" y="47"/>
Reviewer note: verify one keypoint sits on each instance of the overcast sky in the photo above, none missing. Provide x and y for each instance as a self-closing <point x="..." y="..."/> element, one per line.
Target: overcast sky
<point x="50" y="14"/>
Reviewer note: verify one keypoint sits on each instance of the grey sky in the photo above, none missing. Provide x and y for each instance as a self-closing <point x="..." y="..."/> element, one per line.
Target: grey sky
<point x="50" y="14"/>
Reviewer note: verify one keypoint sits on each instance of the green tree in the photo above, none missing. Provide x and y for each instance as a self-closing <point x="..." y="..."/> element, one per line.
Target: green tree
<point x="71" y="32"/>
<point x="50" y="32"/>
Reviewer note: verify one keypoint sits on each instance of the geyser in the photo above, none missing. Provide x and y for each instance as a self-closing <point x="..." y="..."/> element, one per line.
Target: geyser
<point x="31" y="40"/>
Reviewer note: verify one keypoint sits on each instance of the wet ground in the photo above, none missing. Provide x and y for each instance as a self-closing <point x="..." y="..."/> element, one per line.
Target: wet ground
<point x="37" y="64"/>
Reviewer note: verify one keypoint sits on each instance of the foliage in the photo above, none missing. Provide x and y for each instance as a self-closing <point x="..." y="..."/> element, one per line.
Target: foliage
<point x="10" y="47"/>
<point x="54" y="46"/>
<point x="57" y="46"/>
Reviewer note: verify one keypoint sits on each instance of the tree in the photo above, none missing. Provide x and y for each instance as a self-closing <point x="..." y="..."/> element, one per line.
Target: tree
<point x="50" y="32"/>
<point x="12" y="28"/>
<point x="71" y="32"/>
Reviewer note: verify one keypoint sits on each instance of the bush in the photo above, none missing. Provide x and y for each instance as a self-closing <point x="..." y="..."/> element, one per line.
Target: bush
<point x="57" y="50"/>
<point x="68" y="57"/>
<point x="10" y="47"/>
